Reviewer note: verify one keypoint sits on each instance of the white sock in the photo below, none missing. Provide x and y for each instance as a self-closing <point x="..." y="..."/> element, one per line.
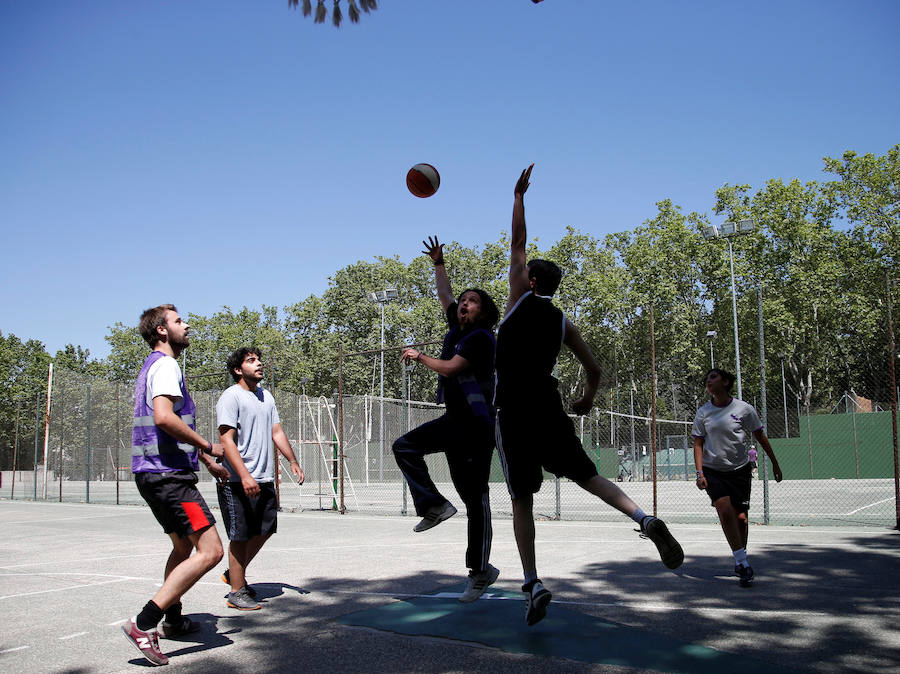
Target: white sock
<point x="740" y="557"/>
<point x="638" y="515"/>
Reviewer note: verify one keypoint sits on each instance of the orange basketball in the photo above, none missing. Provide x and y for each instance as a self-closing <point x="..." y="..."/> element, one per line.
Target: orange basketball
<point x="423" y="180"/>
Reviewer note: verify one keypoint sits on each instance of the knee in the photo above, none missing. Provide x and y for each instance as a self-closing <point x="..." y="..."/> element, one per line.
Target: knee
<point x="211" y="552"/>
<point x="399" y="444"/>
<point x="742" y="517"/>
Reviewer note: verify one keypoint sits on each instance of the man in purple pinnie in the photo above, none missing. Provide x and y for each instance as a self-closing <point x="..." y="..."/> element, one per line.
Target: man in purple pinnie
<point x="165" y="455"/>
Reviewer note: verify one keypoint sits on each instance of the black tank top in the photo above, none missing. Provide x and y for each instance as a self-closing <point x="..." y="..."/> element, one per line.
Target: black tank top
<point x="528" y="342"/>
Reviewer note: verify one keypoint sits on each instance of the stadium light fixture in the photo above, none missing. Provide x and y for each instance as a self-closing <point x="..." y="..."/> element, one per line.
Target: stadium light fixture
<point x="711" y="335"/>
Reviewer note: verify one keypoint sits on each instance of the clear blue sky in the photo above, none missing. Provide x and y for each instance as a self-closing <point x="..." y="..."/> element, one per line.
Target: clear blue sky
<point x="234" y="153"/>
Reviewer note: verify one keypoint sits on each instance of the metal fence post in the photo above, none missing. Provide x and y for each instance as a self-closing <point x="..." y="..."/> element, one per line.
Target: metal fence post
<point x="37" y="435"/>
<point x="87" y="470"/>
<point x="762" y="397"/>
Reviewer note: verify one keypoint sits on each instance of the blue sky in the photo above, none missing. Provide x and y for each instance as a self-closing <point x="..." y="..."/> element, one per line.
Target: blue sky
<point x="234" y="153"/>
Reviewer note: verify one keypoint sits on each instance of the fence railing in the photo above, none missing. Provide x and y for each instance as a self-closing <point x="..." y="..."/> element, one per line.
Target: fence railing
<point x="838" y="466"/>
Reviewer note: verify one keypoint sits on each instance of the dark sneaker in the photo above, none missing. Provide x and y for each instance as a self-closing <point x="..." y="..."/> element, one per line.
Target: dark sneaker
<point x="435" y="516"/>
<point x="147" y="643"/>
<point x="478" y="583"/>
<point x="669" y="550"/>
<point x="745" y="575"/>
<point x="179" y="629"/>
<point x="226" y="578"/>
<point x="536" y="599"/>
<point x="242" y="601"/>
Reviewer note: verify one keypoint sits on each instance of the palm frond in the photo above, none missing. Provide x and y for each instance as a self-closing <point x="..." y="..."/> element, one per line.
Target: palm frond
<point x="337" y="15"/>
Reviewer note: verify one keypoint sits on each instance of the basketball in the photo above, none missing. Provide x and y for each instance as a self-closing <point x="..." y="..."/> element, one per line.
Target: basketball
<point x="423" y="180"/>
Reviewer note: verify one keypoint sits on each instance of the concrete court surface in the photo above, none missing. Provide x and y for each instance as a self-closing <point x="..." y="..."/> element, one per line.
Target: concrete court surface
<point x="357" y="593"/>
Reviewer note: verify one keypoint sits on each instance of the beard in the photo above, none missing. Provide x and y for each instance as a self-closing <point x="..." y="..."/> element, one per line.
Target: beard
<point x="181" y="343"/>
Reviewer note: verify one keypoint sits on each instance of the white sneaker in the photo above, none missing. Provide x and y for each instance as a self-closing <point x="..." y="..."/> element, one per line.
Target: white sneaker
<point x="435" y="516"/>
<point x="479" y="583"/>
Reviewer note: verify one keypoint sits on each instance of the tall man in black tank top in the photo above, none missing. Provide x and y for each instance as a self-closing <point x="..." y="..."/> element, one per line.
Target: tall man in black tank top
<point x="465" y="433"/>
<point x="533" y="430"/>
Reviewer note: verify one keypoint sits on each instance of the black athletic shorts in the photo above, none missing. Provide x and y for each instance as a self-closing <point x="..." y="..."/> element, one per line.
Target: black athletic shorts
<point x="735" y="484"/>
<point x="175" y="501"/>
<point x="531" y="439"/>
<point x="246" y="517"/>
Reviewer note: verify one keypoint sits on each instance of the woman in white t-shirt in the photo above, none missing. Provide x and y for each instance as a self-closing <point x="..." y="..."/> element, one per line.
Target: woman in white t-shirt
<point x="723" y="432"/>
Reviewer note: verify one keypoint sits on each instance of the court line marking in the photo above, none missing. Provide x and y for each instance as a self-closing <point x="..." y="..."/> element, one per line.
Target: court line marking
<point x="63" y="589"/>
<point x="17" y="648"/>
<point x="72" y="636"/>
<point x="853" y="512"/>
<point x="617" y="604"/>
<point x="63" y="519"/>
<point x="81" y="561"/>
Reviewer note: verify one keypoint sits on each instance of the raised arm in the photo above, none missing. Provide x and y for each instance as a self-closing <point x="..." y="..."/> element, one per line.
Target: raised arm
<point x="582" y="351"/>
<point x="518" y="272"/>
<point x="435" y="251"/>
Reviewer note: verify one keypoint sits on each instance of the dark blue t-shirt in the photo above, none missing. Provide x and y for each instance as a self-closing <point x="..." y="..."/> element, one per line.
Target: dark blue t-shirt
<point x="477" y="346"/>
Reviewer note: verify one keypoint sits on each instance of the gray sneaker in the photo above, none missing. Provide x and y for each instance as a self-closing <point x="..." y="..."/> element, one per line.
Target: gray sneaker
<point x="478" y="583"/>
<point x="435" y="516"/>
<point x="242" y="601"/>
<point x="226" y="578"/>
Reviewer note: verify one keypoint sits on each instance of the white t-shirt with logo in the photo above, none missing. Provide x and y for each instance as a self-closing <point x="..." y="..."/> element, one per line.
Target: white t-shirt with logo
<point x="253" y="414"/>
<point x="727" y="432"/>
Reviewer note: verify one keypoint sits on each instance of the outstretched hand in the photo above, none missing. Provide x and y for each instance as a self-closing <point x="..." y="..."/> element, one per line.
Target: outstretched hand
<point x="434" y="250"/>
<point x="522" y="184"/>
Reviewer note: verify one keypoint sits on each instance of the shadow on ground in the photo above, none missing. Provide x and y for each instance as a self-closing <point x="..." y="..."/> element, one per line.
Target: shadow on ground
<point x="815" y="608"/>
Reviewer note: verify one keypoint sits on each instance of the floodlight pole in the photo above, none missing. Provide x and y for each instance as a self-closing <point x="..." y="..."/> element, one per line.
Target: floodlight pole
<point x="382" y="297"/>
<point x="711" y="335"/>
<point x="737" y="344"/>
<point x="728" y="230"/>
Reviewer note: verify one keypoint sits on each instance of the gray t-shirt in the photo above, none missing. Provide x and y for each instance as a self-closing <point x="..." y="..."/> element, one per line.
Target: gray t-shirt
<point x="253" y="414"/>
<point x="727" y="433"/>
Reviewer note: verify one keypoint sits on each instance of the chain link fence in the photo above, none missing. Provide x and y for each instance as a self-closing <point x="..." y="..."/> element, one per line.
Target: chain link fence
<point x="837" y="460"/>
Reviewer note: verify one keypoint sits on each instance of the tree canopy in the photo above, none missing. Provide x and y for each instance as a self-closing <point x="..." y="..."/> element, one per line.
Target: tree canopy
<point x="819" y="258"/>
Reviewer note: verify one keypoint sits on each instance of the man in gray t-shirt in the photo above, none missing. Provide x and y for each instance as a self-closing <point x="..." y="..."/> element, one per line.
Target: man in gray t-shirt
<point x="248" y="428"/>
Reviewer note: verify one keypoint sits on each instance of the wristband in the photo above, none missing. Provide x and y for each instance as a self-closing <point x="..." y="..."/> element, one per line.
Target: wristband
<point x="699" y="474"/>
<point x="208" y="450"/>
<point x="419" y="357"/>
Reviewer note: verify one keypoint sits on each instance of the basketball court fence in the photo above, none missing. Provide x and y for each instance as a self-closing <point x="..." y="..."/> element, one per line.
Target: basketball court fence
<point x="838" y="465"/>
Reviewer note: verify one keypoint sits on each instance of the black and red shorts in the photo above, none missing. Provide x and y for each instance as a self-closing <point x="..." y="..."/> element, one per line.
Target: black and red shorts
<point x="175" y="501"/>
<point x="734" y="484"/>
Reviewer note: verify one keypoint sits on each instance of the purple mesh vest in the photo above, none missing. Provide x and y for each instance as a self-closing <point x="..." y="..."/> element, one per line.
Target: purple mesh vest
<point x="152" y="449"/>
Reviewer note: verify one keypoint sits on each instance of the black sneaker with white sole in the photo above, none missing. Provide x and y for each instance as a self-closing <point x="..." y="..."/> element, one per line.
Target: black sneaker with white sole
<point x="537" y="597"/>
<point x="435" y="516"/>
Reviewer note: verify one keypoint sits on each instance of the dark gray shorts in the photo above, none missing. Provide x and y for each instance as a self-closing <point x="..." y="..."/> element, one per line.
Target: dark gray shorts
<point x="246" y="517"/>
